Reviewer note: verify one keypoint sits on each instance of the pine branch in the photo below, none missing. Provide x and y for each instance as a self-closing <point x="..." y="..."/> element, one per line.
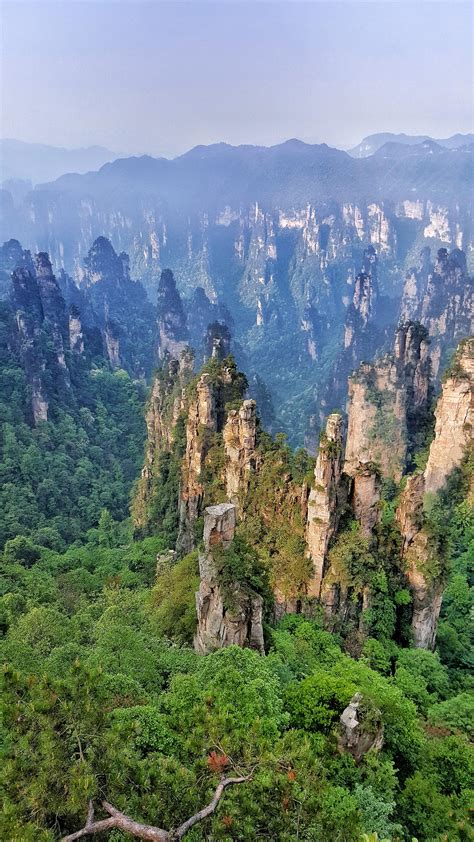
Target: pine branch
<point x="145" y="831"/>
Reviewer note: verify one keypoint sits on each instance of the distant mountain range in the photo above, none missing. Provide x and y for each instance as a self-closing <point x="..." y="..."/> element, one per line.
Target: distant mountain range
<point x="37" y="162"/>
<point x="23" y="165"/>
<point x="373" y="142"/>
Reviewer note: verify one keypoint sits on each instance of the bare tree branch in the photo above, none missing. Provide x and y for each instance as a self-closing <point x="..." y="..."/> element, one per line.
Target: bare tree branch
<point x="207" y="811"/>
<point x="145" y="831"/>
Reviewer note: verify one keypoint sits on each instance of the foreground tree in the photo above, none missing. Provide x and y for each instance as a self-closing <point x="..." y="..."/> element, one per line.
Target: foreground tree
<point x="146" y="831"/>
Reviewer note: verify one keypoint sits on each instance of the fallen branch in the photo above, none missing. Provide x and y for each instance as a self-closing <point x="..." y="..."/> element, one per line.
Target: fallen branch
<point x="146" y="831"/>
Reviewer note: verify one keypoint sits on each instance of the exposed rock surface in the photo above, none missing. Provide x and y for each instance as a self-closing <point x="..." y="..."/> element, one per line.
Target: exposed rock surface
<point x="201" y="423"/>
<point x="217" y="340"/>
<point x="322" y="511"/>
<point x="240" y="433"/>
<point x="76" y="331"/>
<point x="120" y="306"/>
<point x="387" y="399"/>
<point x="12" y="256"/>
<point x="454" y="420"/>
<point x="39" y="309"/>
<point x="53" y="305"/>
<point x="441" y="297"/>
<point x="224" y="618"/>
<point x="172" y="328"/>
<point x="166" y="403"/>
<point x="361" y="728"/>
<point x="362" y="311"/>
<point x="282" y="249"/>
<point x="453" y="436"/>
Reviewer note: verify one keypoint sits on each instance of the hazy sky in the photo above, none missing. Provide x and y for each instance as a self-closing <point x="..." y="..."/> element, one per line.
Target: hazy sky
<point x="161" y="77"/>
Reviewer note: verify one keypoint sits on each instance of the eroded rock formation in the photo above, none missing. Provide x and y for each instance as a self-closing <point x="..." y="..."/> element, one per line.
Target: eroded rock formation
<point x="388" y="399"/>
<point x="420" y="553"/>
<point x="225" y="615"/>
<point x="118" y="307"/>
<point x="322" y="511"/>
<point x="441" y="297"/>
<point x="361" y="728"/>
<point x="240" y="434"/>
<point x="172" y="329"/>
<point x="166" y="404"/>
<point x="39" y="310"/>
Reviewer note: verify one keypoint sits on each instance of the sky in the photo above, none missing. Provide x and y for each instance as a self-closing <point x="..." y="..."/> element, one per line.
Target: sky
<point x="159" y="78"/>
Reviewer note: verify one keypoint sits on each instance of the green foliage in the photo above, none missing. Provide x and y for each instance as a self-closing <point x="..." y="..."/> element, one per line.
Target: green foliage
<point x="61" y="474"/>
<point x="240" y="565"/>
<point x="456" y="714"/>
<point x="174" y="601"/>
<point x="21" y="550"/>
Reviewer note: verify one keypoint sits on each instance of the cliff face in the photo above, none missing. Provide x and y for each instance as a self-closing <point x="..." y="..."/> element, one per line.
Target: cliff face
<point x="282" y="251"/>
<point x="453" y="436"/>
<point x="54" y="311"/>
<point x="387" y="401"/>
<point x="201" y="424"/>
<point x="172" y="329"/>
<point x="441" y="297"/>
<point x="166" y="404"/>
<point x="40" y="314"/>
<point x="119" y="307"/>
<point x="323" y="503"/>
<point x="240" y="435"/>
<point x="225" y="616"/>
<point x="12" y="256"/>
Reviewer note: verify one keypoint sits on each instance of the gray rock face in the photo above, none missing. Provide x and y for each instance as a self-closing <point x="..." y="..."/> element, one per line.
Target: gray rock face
<point x="361" y="728"/>
<point x="240" y="435"/>
<point x="38" y="306"/>
<point x="453" y="436"/>
<point x="120" y="308"/>
<point x="441" y="297"/>
<point x="233" y="618"/>
<point x="387" y="399"/>
<point x="322" y="512"/>
<point x="173" y="332"/>
<point x="282" y="249"/>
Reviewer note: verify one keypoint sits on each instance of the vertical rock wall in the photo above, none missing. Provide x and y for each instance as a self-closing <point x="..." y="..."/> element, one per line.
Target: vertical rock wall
<point x="453" y="436"/>
<point x="224" y="619"/>
<point x="322" y="511"/>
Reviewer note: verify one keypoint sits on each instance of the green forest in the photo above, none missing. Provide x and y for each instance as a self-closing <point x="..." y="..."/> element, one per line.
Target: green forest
<point x="105" y="699"/>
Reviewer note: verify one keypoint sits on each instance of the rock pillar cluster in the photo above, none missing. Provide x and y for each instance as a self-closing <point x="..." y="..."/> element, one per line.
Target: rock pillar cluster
<point x="453" y="436"/>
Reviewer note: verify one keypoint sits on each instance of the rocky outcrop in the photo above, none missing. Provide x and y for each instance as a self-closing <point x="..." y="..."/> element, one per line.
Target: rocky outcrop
<point x="420" y="553"/>
<point x="240" y="435"/>
<point x="201" y="424"/>
<point x="76" y="331"/>
<point x="12" y="256"/>
<point x="166" y="403"/>
<point x="217" y="340"/>
<point x="172" y="329"/>
<point x="364" y="498"/>
<point x="362" y="311"/>
<point x="40" y="315"/>
<point x="28" y="312"/>
<point x="225" y="615"/>
<point x="120" y="308"/>
<point x="323" y="510"/>
<point x="361" y="728"/>
<point x="441" y="297"/>
<point x="207" y="412"/>
<point x="387" y="401"/>
<point x="54" y="311"/>
<point x="454" y="420"/>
